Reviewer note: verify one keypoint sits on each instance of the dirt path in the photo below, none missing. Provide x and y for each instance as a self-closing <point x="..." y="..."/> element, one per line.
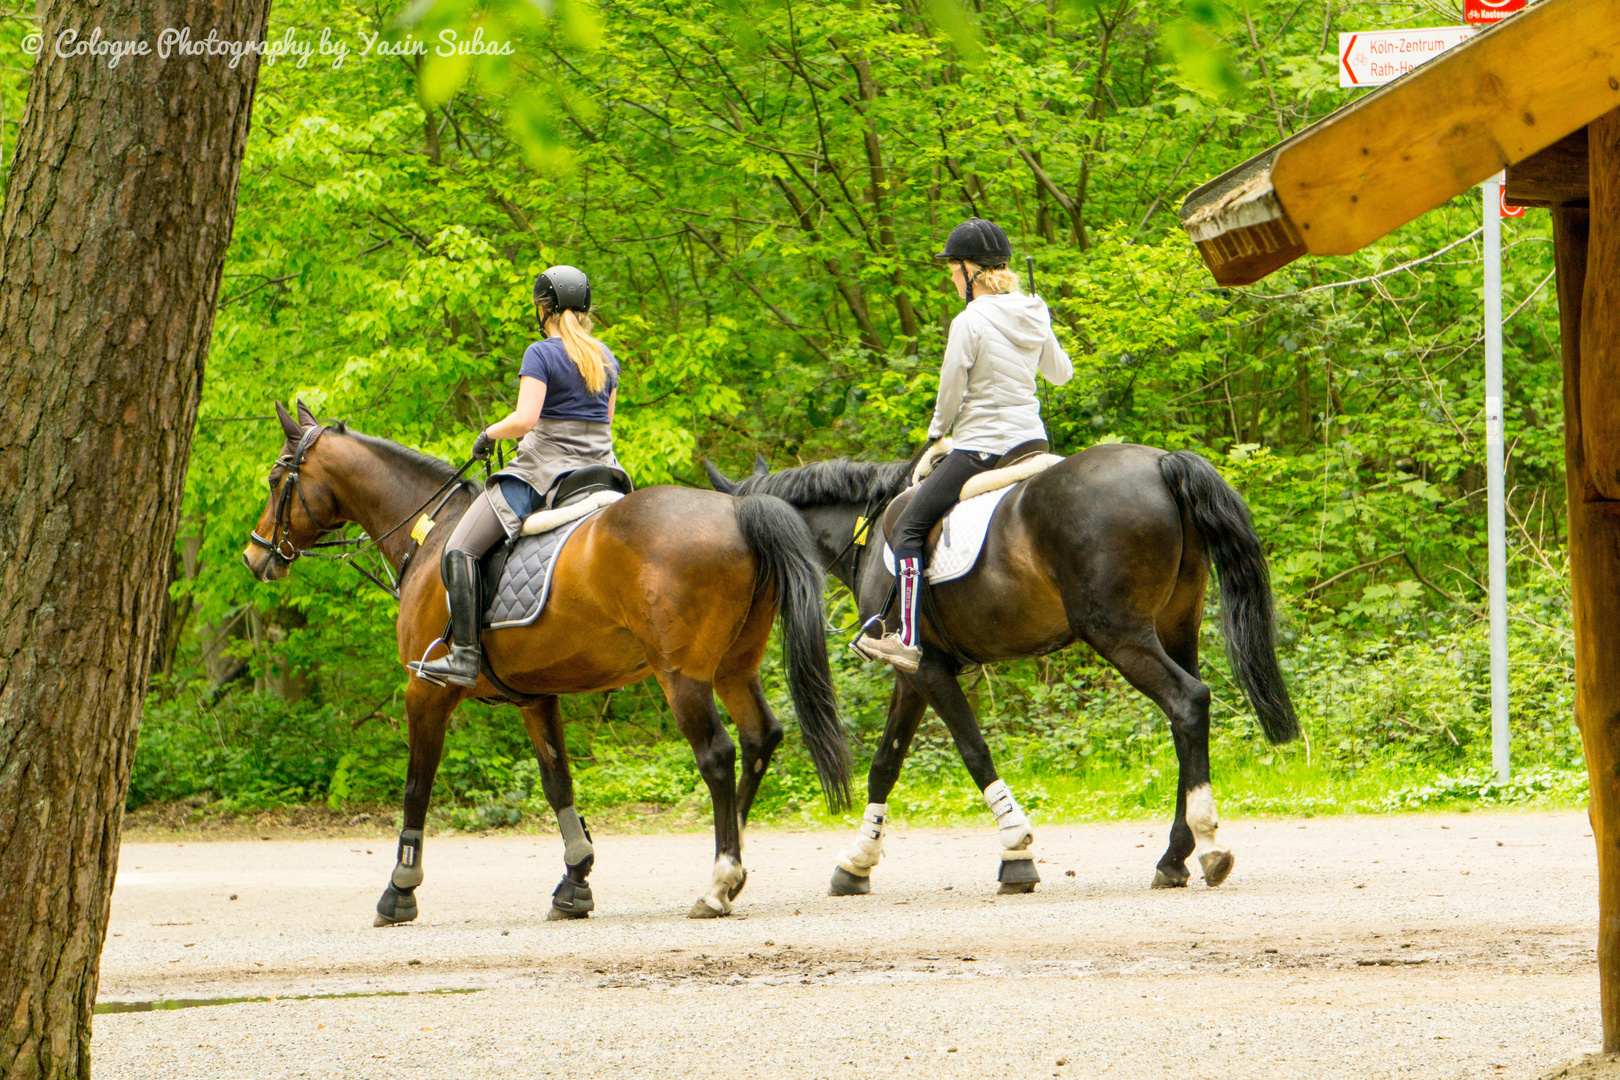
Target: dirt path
<point x="1427" y="947"/>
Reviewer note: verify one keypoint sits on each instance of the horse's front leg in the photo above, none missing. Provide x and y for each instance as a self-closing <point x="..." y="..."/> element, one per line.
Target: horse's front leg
<point x="692" y="701"/>
<point x="572" y="898"/>
<point x="853" y="875"/>
<point x="938" y="682"/>
<point x="427" y="712"/>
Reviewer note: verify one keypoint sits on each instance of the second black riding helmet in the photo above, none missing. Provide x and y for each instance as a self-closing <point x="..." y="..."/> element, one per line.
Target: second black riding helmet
<point x="980" y="241"/>
<point x="563" y="288"/>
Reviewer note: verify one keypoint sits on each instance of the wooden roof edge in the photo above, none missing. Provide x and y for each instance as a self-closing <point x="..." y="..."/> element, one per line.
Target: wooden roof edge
<point x="1245" y="221"/>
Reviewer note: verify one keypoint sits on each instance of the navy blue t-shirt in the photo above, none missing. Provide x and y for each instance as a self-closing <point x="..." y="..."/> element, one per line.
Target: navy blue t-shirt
<point x="567" y="397"/>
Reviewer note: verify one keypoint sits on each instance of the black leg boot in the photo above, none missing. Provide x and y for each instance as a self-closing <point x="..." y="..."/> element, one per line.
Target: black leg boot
<point x="461" y="667"/>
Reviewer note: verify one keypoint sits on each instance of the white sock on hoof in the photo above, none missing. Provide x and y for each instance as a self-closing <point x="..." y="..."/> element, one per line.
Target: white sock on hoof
<point x="728" y="874"/>
<point x="1201" y="818"/>
<point x="1014" y="827"/>
<point x="868" y="847"/>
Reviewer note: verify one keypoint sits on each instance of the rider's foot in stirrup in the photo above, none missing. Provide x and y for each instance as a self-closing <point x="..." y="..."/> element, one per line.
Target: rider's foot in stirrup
<point x="891" y="649"/>
<point x="461" y="667"/>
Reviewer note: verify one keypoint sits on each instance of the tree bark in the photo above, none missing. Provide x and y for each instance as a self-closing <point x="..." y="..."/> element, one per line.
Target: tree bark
<point x="1594" y="570"/>
<point x="121" y="202"/>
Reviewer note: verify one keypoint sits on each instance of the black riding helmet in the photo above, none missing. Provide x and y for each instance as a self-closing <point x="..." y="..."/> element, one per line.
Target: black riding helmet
<point x="563" y="288"/>
<point x="980" y="241"/>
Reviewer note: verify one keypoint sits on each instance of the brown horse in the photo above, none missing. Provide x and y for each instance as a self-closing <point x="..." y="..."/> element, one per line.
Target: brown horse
<point x="1112" y="547"/>
<point x="672" y="583"/>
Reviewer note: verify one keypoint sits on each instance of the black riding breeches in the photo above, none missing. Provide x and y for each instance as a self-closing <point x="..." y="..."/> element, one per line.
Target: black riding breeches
<point x="934" y="497"/>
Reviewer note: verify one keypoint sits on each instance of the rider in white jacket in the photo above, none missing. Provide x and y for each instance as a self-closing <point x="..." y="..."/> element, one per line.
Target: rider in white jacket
<point x="986" y="401"/>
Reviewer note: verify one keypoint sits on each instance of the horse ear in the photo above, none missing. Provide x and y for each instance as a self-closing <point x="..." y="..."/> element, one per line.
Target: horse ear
<point x="718" y="479"/>
<point x="761" y="466"/>
<point x="305" y="417"/>
<point x="289" y="426"/>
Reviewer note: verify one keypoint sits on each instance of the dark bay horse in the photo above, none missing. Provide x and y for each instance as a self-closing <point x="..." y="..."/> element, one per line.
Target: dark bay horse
<point x="672" y="583"/>
<point x="1111" y="547"/>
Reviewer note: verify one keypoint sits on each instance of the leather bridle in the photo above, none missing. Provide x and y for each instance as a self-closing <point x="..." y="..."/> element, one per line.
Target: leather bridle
<point x="279" y="543"/>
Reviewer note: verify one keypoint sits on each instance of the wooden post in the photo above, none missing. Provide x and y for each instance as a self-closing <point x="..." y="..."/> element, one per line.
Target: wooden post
<point x="1587" y="250"/>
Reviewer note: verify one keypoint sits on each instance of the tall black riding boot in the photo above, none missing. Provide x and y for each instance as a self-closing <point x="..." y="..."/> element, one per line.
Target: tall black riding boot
<point x="460" y="571"/>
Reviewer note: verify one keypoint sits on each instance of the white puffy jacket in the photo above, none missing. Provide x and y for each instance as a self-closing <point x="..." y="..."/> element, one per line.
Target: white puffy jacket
<point x="987" y="382"/>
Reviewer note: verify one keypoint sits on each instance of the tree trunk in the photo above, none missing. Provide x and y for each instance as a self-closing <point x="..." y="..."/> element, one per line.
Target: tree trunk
<point x="121" y="201"/>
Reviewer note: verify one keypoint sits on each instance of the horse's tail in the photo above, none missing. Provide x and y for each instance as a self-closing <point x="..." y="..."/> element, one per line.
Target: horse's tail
<point x="786" y="556"/>
<point x="1222" y="519"/>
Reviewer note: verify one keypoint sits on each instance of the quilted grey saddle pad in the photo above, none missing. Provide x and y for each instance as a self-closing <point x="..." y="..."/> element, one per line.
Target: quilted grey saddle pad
<point x="526" y="579"/>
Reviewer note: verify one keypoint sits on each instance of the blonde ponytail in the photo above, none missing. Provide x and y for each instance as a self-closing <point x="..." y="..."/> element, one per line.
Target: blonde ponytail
<point x="997" y="279"/>
<point x="574" y="327"/>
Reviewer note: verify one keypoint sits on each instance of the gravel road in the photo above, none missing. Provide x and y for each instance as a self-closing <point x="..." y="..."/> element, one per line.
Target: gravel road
<point x="1432" y="946"/>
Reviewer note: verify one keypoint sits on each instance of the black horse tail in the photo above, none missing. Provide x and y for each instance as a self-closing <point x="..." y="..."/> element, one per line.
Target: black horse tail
<point x="786" y="556"/>
<point x="1222" y="519"/>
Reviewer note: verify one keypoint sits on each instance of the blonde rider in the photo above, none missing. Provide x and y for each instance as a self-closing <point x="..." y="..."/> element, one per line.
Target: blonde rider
<point x="987" y="401"/>
<point x="567" y="393"/>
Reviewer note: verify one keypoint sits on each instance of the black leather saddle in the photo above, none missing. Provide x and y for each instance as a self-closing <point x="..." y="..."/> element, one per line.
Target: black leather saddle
<point x="569" y="488"/>
<point x="574" y="486"/>
<point x="891" y="516"/>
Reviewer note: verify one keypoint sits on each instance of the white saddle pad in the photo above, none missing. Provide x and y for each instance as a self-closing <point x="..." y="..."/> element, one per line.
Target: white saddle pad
<point x="961" y="538"/>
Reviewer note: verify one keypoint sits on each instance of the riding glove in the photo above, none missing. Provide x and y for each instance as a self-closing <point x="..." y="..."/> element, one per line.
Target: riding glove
<point x="483" y="446"/>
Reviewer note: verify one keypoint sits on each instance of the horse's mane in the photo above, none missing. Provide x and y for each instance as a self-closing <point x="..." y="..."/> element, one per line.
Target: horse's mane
<point x="414" y="461"/>
<point x="838" y="481"/>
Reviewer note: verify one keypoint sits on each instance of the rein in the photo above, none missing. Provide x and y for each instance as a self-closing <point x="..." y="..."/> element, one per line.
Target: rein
<point x="280" y="545"/>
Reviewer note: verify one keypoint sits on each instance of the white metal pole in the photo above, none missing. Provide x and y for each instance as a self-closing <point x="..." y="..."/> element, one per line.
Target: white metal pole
<point x="1496" y="513"/>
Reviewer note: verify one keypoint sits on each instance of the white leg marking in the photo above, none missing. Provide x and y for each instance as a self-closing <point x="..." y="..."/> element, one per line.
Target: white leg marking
<point x="1201" y="818"/>
<point x="728" y="874"/>
<point x="860" y="857"/>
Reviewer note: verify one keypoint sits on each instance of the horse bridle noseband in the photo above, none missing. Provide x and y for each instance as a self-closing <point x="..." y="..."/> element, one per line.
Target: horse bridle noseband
<point x="280" y="545"/>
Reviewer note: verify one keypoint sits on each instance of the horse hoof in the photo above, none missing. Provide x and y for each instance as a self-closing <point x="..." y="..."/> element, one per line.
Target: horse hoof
<point x="1217" y="866"/>
<point x="739" y="886"/>
<point x="571" y="900"/>
<point x="1162" y="879"/>
<point x="557" y="914"/>
<point x="845" y="883"/>
<point x="702" y="910"/>
<point x="1018" y="876"/>
<point x="395" y="907"/>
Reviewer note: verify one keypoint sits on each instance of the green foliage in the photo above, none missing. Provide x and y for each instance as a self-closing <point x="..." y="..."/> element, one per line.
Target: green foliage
<point x="756" y="192"/>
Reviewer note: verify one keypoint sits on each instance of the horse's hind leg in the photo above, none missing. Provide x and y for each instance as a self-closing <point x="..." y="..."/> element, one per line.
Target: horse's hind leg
<point x="572" y="898"/>
<point x="427" y="712"/>
<point x="1195" y="803"/>
<point x="1142" y="659"/>
<point x="693" y="703"/>
<point x="938" y="684"/>
<point x="759" y="732"/>
<point x="853" y="875"/>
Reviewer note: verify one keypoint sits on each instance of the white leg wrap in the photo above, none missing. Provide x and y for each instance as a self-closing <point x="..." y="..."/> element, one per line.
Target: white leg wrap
<point x="1201" y="818"/>
<point x="868" y="847"/>
<point x="1014" y="827"/>
<point x="728" y="874"/>
<point x="576" y="845"/>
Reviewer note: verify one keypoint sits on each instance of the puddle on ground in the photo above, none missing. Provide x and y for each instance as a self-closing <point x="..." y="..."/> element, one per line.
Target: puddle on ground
<point x="194" y="1003"/>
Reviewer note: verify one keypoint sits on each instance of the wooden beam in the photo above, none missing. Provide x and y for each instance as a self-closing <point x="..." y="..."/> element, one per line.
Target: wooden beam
<point x="1552" y="176"/>
<point x="1594" y="578"/>
<point x="1600" y="319"/>
<point x="1403" y="150"/>
<point x="1239" y="226"/>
